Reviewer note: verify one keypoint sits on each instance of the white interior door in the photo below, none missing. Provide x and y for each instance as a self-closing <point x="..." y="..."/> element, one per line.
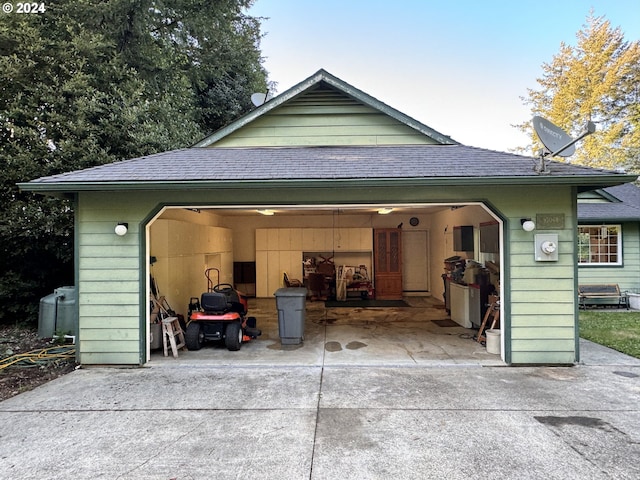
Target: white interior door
<point x="415" y="257"/>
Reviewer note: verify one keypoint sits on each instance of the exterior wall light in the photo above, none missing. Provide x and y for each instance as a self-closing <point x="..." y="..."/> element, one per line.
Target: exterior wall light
<point x="527" y="224"/>
<point x="266" y="212"/>
<point x="121" y="229"/>
<point x="384" y="211"/>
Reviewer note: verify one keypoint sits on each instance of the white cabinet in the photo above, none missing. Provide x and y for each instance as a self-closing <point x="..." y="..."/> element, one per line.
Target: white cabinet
<point x="280" y="250"/>
<point x="465" y="304"/>
<point x="475" y="305"/>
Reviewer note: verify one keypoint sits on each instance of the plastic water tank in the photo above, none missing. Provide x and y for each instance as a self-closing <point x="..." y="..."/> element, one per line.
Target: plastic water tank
<point x="58" y="313"/>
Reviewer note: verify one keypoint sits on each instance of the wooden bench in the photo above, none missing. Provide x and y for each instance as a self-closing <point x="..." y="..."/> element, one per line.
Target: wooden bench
<point x="602" y="294"/>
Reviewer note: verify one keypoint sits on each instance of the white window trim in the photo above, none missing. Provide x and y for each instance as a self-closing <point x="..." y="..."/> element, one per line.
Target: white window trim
<point x="618" y="263"/>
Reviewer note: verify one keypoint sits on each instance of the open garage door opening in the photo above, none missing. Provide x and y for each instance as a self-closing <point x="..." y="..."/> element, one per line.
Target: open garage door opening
<point x="441" y="261"/>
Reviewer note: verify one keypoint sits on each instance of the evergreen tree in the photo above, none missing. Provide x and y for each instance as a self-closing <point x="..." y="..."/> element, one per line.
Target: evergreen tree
<point x="90" y="82"/>
<point x="596" y="80"/>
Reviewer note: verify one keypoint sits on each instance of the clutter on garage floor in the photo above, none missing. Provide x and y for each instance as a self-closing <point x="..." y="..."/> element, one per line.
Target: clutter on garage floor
<point x="354" y="336"/>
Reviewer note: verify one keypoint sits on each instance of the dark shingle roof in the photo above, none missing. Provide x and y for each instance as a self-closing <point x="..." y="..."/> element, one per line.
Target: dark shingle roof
<point x="625" y="205"/>
<point x="321" y="163"/>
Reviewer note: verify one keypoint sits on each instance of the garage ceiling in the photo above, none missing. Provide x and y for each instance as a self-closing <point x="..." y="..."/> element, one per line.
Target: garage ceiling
<point x="327" y="210"/>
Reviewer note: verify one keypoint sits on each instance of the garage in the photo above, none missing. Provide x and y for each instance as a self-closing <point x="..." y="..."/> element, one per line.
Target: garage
<point x="253" y="250"/>
<point x="331" y="167"/>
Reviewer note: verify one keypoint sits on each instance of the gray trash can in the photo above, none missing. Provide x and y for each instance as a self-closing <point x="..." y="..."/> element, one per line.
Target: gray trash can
<point x="291" y="304"/>
<point x="155" y="336"/>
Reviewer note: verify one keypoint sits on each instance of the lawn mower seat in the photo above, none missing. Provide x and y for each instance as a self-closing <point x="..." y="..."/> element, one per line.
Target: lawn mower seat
<point x="234" y="304"/>
<point x="214" y="302"/>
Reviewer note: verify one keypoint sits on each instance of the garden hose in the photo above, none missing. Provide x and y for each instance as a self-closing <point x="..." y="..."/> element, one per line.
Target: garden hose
<point x="39" y="357"/>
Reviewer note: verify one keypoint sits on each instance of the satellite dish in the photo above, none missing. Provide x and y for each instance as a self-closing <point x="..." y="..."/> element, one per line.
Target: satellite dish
<point x="556" y="141"/>
<point x="553" y="137"/>
<point x="259" y="98"/>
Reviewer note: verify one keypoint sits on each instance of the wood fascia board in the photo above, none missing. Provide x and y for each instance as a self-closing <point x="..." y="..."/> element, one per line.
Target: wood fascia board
<point x="585" y="183"/>
<point x="588" y="221"/>
<point x="607" y="196"/>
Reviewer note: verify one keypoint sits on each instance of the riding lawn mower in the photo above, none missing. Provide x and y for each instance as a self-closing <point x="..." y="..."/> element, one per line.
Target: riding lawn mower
<point x="219" y="314"/>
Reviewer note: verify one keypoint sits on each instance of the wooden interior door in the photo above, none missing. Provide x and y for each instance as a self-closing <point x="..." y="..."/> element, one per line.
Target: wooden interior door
<point x="387" y="246"/>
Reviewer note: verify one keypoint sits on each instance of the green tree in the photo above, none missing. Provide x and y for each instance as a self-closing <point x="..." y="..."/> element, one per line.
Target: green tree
<point x="90" y="82"/>
<point x="598" y="79"/>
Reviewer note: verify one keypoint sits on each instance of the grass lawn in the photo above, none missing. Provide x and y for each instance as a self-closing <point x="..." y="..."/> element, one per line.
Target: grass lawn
<point x="619" y="330"/>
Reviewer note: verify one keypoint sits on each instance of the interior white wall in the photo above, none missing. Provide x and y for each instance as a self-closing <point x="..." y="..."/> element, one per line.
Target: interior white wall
<point x="182" y="276"/>
<point x="441" y="238"/>
<point x="183" y="250"/>
<point x="197" y="216"/>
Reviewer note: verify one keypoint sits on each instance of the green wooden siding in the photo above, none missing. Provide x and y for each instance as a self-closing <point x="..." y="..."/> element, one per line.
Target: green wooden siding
<point x="541" y="327"/>
<point x="323" y="117"/>
<point x="540" y="302"/>
<point x="108" y="279"/>
<point x="626" y="276"/>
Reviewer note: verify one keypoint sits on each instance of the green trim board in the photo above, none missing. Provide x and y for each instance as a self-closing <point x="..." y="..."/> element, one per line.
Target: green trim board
<point x="143" y="288"/>
<point x="76" y="270"/>
<point x="121" y="186"/>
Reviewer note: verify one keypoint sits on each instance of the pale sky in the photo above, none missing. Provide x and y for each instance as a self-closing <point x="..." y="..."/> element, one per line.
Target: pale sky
<point x="459" y="67"/>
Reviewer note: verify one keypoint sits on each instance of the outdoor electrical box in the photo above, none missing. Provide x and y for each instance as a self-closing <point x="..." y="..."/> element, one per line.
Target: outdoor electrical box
<point x="546" y="247"/>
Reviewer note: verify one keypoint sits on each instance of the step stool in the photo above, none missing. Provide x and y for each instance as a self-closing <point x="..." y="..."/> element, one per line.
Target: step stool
<point x="170" y="330"/>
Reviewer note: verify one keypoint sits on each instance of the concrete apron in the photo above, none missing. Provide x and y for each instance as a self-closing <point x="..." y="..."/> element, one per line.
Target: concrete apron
<point x="335" y="418"/>
<point x="421" y="334"/>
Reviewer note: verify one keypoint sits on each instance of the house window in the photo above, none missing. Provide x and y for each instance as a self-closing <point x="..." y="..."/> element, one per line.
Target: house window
<point x="599" y="245"/>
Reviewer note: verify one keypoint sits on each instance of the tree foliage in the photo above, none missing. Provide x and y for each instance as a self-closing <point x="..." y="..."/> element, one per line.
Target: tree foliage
<point x="90" y="82"/>
<point x="598" y="79"/>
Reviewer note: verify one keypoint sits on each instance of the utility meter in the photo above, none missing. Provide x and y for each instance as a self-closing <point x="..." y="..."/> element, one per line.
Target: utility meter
<point x="546" y="247"/>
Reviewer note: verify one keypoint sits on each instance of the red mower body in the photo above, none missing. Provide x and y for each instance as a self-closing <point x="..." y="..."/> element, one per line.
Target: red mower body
<point x="219" y="315"/>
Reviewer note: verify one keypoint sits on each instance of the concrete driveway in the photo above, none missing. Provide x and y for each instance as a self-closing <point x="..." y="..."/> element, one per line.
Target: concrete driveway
<point x="330" y="420"/>
<point x="370" y="394"/>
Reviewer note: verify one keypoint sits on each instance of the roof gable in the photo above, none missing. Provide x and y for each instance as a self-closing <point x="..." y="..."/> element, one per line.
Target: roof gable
<point x="618" y="203"/>
<point x="432" y="160"/>
<point x="324" y="110"/>
<point x="597" y="196"/>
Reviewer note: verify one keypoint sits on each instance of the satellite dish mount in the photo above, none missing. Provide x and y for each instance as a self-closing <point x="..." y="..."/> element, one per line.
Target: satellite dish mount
<point x="556" y="142"/>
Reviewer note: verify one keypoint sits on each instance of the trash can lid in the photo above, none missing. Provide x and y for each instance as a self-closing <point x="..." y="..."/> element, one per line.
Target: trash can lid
<point x="291" y="292"/>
